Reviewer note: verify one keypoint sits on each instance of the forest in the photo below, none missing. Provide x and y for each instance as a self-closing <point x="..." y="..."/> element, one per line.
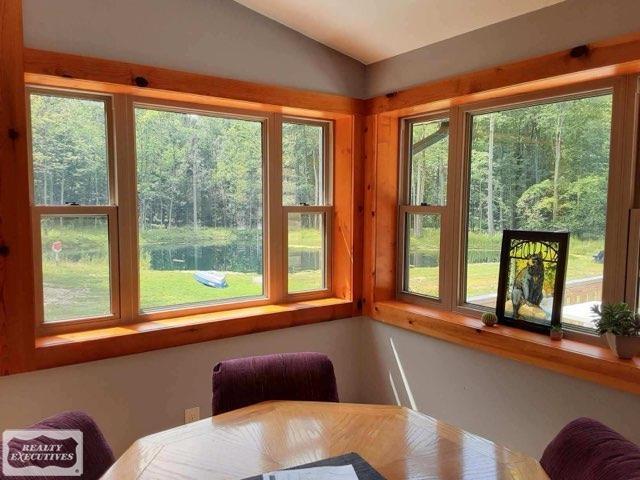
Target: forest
<point x="201" y="198"/>
<point x="539" y="167"/>
<point x="200" y="195"/>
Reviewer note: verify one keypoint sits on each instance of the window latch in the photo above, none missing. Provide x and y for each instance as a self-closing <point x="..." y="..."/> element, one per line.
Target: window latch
<point x="424" y="204"/>
<point x="73" y="204"/>
<point x="303" y="204"/>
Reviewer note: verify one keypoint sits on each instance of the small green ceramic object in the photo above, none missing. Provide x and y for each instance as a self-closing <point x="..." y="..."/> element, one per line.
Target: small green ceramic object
<point x="556" y="332"/>
<point x="489" y="319"/>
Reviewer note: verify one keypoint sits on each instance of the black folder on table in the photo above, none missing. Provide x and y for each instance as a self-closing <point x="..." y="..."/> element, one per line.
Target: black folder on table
<point x="360" y="465"/>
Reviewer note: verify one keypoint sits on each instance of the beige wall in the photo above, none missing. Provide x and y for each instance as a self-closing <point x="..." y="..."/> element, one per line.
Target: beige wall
<point x="551" y="29"/>
<point x="136" y="395"/>
<point x="214" y="37"/>
<point x="511" y="403"/>
<point x="508" y="402"/>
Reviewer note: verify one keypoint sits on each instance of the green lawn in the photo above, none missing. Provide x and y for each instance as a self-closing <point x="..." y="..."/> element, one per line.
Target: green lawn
<point x="482" y="278"/>
<point x="80" y="288"/>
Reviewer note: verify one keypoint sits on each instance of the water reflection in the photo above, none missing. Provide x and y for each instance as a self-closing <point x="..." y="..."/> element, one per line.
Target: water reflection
<point x="242" y="258"/>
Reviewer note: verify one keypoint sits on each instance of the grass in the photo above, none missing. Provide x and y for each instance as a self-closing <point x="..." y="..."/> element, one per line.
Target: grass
<point x="482" y="278"/>
<point x="81" y="288"/>
<point x="75" y="289"/>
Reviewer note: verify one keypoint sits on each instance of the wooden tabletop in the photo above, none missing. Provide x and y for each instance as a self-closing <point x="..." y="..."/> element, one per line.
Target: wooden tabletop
<point x="398" y="442"/>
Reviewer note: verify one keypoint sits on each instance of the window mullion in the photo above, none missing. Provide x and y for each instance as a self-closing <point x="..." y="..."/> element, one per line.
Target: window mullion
<point x="125" y="198"/>
<point x="276" y="256"/>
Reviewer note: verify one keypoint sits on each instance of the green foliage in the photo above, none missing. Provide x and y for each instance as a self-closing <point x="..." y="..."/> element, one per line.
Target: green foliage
<point x="618" y="319"/>
<point x="489" y="318"/>
<point x="550" y="167"/>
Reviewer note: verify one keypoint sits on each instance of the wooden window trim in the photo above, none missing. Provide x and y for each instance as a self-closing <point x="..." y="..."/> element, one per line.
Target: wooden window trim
<point x="444" y="299"/>
<point x="108" y="210"/>
<point x="124" y="236"/>
<point x="453" y="252"/>
<point x="618" y="196"/>
<point x="325" y="209"/>
<point x="575" y="358"/>
<point x="376" y="135"/>
<point x="89" y="345"/>
<point x="102" y="338"/>
<point x="270" y="236"/>
<point x="582" y="356"/>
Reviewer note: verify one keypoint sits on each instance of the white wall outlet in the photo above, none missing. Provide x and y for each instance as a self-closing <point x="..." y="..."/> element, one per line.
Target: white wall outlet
<point x="192" y="414"/>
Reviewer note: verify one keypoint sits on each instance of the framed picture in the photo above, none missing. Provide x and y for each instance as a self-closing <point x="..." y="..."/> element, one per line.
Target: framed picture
<point x="531" y="282"/>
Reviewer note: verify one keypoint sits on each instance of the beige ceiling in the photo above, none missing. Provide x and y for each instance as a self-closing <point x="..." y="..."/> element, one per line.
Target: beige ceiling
<point x="372" y="30"/>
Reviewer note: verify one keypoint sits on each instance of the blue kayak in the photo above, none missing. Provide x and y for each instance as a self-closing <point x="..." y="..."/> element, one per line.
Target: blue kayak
<point x="211" y="279"/>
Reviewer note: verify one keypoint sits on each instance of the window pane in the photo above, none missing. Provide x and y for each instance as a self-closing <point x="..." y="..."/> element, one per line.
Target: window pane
<point x="302" y="164"/>
<point x="428" y="167"/>
<point x="75" y="267"/>
<point x="306" y="252"/>
<point x="69" y="149"/>
<point x="542" y="167"/>
<point x="422" y="257"/>
<point x="200" y="204"/>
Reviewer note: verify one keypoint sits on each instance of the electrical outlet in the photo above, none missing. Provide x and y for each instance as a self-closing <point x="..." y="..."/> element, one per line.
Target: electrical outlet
<point x="192" y="414"/>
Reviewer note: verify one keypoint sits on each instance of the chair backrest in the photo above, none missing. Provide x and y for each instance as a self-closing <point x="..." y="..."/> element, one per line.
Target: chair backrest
<point x="288" y="376"/>
<point x="586" y="449"/>
<point x="96" y="452"/>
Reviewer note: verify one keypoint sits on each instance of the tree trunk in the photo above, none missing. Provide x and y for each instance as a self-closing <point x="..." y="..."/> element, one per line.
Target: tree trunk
<point x="556" y="164"/>
<point x="194" y="186"/>
<point x="492" y="127"/>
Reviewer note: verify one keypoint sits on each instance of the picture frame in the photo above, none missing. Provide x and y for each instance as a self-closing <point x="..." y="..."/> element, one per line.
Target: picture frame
<point x="533" y="267"/>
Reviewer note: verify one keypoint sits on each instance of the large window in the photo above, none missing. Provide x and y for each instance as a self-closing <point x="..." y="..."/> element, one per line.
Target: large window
<point x="424" y="192"/>
<point x="74" y="214"/>
<point x="141" y="209"/>
<point x="200" y="207"/>
<point x="540" y="161"/>
<point x="540" y="167"/>
<point x="306" y="201"/>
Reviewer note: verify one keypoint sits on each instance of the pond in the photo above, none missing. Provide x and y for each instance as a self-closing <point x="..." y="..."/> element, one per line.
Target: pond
<point x="430" y="259"/>
<point x="243" y="258"/>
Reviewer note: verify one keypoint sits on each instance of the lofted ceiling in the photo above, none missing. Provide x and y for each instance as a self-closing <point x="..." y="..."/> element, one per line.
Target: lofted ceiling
<point x="373" y="30"/>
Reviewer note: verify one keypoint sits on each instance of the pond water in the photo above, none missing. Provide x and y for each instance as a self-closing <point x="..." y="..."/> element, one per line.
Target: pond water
<point x="421" y="259"/>
<point x="239" y="257"/>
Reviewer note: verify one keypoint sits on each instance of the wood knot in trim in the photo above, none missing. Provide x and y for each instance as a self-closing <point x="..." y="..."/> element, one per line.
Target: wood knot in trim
<point x="141" y="82"/>
<point x="579" y="51"/>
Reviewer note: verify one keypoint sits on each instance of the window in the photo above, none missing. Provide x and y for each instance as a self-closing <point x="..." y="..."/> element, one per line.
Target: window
<point x="306" y="201"/>
<point x="200" y="208"/>
<point x="74" y="213"/>
<point x="179" y="220"/>
<point x="540" y="167"/>
<point x="424" y="194"/>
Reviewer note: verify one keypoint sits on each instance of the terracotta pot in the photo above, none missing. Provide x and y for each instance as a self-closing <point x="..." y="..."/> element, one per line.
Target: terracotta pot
<point x="623" y="347"/>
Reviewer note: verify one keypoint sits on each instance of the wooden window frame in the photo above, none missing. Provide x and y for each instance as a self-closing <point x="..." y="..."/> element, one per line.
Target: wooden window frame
<point x="123" y="218"/>
<point x="619" y="167"/>
<point x="21" y="348"/>
<point x="445" y="212"/>
<point x="325" y="209"/>
<point x="454" y="215"/>
<point x="582" y="355"/>
<point x="159" y="313"/>
<point x="108" y="210"/>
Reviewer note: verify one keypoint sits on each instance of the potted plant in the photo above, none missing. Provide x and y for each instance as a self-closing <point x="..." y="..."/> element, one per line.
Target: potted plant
<point x="489" y="319"/>
<point x="556" y="332"/>
<point x="621" y="327"/>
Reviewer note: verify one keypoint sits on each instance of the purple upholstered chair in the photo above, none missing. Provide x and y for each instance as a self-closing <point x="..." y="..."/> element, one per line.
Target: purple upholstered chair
<point x="96" y="452"/>
<point x="288" y="376"/>
<point x="588" y="450"/>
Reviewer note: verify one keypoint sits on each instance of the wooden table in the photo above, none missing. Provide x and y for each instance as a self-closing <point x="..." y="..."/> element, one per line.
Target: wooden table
<point x="398" y="442"/>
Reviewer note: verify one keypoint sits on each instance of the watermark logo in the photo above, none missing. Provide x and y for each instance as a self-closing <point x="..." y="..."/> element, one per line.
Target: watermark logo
<point x="42" y="453"/>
